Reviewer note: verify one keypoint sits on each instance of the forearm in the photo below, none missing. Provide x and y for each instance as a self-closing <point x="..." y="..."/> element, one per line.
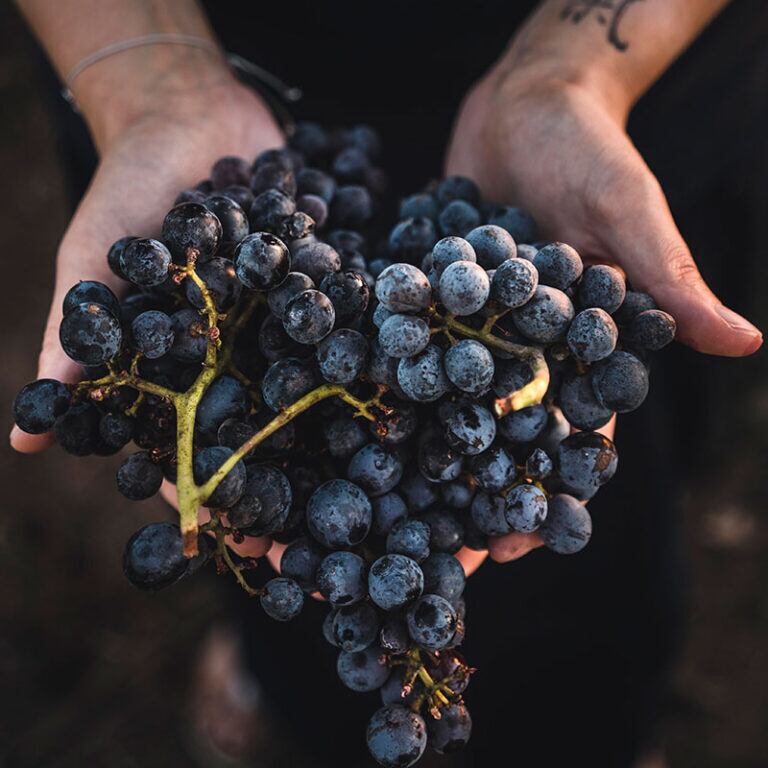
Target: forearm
<point x="117" y="89"/>
<point x="618" y="46"/>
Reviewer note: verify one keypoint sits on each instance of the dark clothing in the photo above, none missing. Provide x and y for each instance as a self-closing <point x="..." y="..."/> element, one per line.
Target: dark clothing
<point x="573" y="652"/>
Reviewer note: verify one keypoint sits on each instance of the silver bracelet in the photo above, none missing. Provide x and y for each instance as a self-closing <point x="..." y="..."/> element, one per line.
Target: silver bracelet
<point x="289" y="94"/>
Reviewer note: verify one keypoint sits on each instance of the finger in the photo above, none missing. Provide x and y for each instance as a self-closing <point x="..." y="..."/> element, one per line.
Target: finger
<point x="251" y="546"/>
<point x="470" y="559"/>
<point x="650" y="248"/>
<point x="513" y="546"/>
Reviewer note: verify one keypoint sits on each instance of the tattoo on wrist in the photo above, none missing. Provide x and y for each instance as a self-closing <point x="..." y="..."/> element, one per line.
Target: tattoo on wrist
<point x="609" y="13"/>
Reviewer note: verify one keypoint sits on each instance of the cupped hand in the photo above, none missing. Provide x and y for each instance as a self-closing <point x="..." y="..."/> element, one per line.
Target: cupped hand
<point x="169" y="146"/>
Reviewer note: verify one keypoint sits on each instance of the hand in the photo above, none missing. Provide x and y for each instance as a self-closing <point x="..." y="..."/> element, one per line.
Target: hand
<point x="169" y="145"/>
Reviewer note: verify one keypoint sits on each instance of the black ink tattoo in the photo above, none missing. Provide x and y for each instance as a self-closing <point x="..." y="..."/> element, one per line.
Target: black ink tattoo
<point x="607" y="12"/>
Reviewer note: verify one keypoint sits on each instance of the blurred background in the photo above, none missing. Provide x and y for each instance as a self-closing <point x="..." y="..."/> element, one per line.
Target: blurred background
<point x="94" y="673"/>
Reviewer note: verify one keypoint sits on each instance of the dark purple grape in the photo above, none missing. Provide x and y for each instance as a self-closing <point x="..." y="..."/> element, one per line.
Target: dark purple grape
<point x="309" y="317"/>
<point x="317" y="260"/>
<point x="138" y="477"/>
<point x="221" y="279"/>
<point x="38" y="405"/>
<point x="233" y="219"/>
<point x="492" y="244"/>
<point x="559" y="265"/>
<point x="568" y="526"/>
<point x="90" y="334"/>
<point x="262" y="261"/>
<point x="190" y="228"/>
<point x="231" y="488"/>
<point x="152" y="334"/>
<point x="282" y="599"/>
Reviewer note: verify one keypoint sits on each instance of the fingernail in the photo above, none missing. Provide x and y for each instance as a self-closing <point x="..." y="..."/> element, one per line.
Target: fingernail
<point x="736" y="321"/>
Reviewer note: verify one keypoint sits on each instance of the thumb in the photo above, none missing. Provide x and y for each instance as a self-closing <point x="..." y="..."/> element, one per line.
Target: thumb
<point x="657" y="260"/>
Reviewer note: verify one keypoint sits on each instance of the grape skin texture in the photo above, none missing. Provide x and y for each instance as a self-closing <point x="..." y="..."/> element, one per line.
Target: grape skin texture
<point x="568" y="527"/>
<point x="403" y="288"/>
<point x="375" y="469"/>
<point x="394" y="580"/>
<point x="492" y="244"/>
<point x="339" y="514"/>
<point x="469" y="366"/>
<point x="341" y="578"/>
<point x="282" y="599"/>
<point x="603" y="287"/>
<point x="90" y="334"/>
<point x="309" y="317"/>
<point x="525" y="508"/>
<point x="443" y="576"/>
<point x="514" y="283"/>
<point x="411" y="538"/>
<point x="464" y="288"/>
<point x="592" y="335"/>
<point x="546" y="317"/>
<point x="39" y="404"/>
<point x="403" y="335"/>
<point x="396" y="736"/>
<point x="361" y="671"/>
<point x="342" y="355"/>
<point x="138" y="477"/>
<point x="431" y="622"/>
<point x="620" y="382"/>
<point x="422" y="377"/>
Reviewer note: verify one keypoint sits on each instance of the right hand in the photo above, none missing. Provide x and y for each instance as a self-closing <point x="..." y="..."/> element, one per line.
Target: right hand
<point x="168" y="145"/>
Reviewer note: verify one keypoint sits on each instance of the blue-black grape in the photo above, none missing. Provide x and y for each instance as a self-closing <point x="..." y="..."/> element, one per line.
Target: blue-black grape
<point x="458" y="494"/>
<point x="412" y="238"/>
<point x="620" y="382"/>
<point x="464" y="288"/>
<point x="350" y="165"/>
<point x="546" y="317"/>
<point x="355" y="627"/>
<point x="317" y="260"/>
<point x="339" y="514"/>
<point x="77" y="429"/>
<point x="294" y="284"/>
<point x="451" y="249"/>
<point x="419" y="492"/>
<point x="469" y="428"/>
<point x="262" y="261"/>
<point x="315" y="207"/>
<point x="538" y="465"/>
<point x="393" y="638"/>
<point x="431" y="622"/>
<point x="352" y="206"/>
<point x="403" y="288"/>
<point x="568" y="526"/>
<point x="348" y="292"/>
<point x="403" y="335"/>
<point x="299" y="226"/>
<point x="444" y="576"/>
<point x="375" y="469"/>
<point x="487" y="513"/>
<point x="457" y="188"/>
<point x="312" y="181"/>
<point x="233" y="219"/>
<point x="592" y="335"/>
<point x="396" y="427"/>
<point x="418" y="206"/>
<point x="341" y="355"/>
<point x="493" y="245"/>
<point x="190" y="228"/>
<point x="154" y="557"/>
<point x="525" y="425"/>
<point x="90" y="292"/>
<point x="514" y="283"/>
<point x="438" y="461"/>
<point x="344" y="436"/>
<point x="285" y="382"/>
<point x="300" y="561"/>
<point x="38" y="405"/>
<point x="362" y="671"/>
<point x="422" y="377"/>
<point x="394" y="580"/>
<point x="558" y="265"/>
<point x="446" y="530"/>
<point x="579" y="404"/>
<point x="90" y="334"/>
<point x="273" y="177"/>
<point x="152" y="334"/>
<point x="585" y="461"/>
<point x="145" y="262"/>
<point x="458" y="218"/>
<point x="269" y="210"/>
<point x="388" y="510"/>
<point x="282" y="599"/>
<point x="138" y="477"/>
<point x="230" y="170"/>
<point x="518" y="222"/>
<point x="602" y="286"/>
<point x="469" y="366"/>
<point x="231" y="488"/>
<point x="493" y="469"/>
<point x="525" y="508"/>
<point x="396" y="736"/>
<point x="116" y="430"/>
<point x="341" y="578"/>
<point x="265" y="503"/>
<point x="634" y="303"/>
<point x="411" y="538"/>
<point x="651" y="329"/>
<point x="189" y="336"/>
<point x="114" y="254"/>
<point x="451" y="732"/>
<point x="220" y="277"/>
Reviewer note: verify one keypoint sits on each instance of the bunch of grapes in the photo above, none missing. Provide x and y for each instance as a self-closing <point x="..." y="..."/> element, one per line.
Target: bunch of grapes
<point x="375" y="400"/>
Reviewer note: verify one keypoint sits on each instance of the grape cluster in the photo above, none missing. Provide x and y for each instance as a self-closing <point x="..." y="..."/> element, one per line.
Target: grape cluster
<point x="374" y="399"/>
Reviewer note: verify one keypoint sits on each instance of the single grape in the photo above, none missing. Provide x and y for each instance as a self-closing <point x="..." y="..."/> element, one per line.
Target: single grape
<point x="299" y="226"/>
<point x="265" y="503"/>
<point x="568" y="526"/>
<point x="394" y="580"/>
<point x="382" y="369"/>
<point x="514" y="283"/>
<point x="262" y="261"/>
<point x="388" y="510"/>
<point x="634" y="303"/>
<point x="361" y="671"/>
<point x="220" y="277"/>
<point x="346" y="240"/>
<point x="525" y="508"/>
<point x="444" y="576"/>
<point x="313" y="181"/>
<point x="152" y="334"/>
<point x="233" y="219"/>
<point x="525" y="425"/>
<point x="115" y="253"/>
<point x="300" y="562"/>
<point x="190" y="228"/>
<point x="418" y="206"/>
<point x="138" y="477"/>
<point x="464" y="288"/>
<point x="269" y="210"/>
<point x="310" y="139"/>
<point x="116" y="430"/>
<point x="518" y="222"/>
<point x="349" y="294"/>
<point x="451" y="249"/>
<point x="558" y="265"/>
<point x="403" y="335"/>
<point x="411" y="238"/>
<point x="458" y="218"/>
<point x="620" y="382"/>
<point x="230" y="170"/>
<point x="651" y="329"/>
<point x="355" y="627"/>
<point x="341" y="578"/>
<point x="487" y="513"/>
<point x="546" y="317"/>
<point x="527" y="252"/>
<point x="317" y="260"/>
<point x="344" y="436"/>
<point x="38" y="405"/>
<point x="511" y="376"/>
<point x="285" y="382"/>
<point x="592" y="335"/>
<point x="145" y="262"/>
<point x="396" y="736"/>
<point x="350" y="165"/>
<point x="342" y="356"/>
<point x="90" y="334"/>
<point x="352" y="206"/>
<point x="375" y="469"/>
<point x="469" y="428"/>
<point x="579" y="404"/>
<point x="469" y="366"/>
<point x="231" y="488"/>
<point x="154" y="557"/>
<point x="438" y="462"/>
<point x="274" y="177"/>
<point x="339" y="514"/>
<point x="238" y="193"/>
<point x="457" y="188"/>
<point x="396" y="427"/>
<point x="403" y="288"/>
<point x="226" y="398"/>
<point x="493" y="245"/>
<point x="603" y="287"/>
<point x="451" y="732"/>
<point x="422" y="377"/>
<point x="446" y="530"/>
<point x="493" y="469"/>
<point x="538" y="465"/>
<point x="294" y="284"/>
<point x="409" y="537"/>
<point x="282" y="599"/>
<point x="431" y="622"/>
<point x="315" y="207"/>
<point x="90" y="292"/>
<point x="585" y="461"/>
<point x="190" y="339"/>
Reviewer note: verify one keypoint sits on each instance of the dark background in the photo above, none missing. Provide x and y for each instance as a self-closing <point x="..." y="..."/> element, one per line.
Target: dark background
<point x="94" y="673"/>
